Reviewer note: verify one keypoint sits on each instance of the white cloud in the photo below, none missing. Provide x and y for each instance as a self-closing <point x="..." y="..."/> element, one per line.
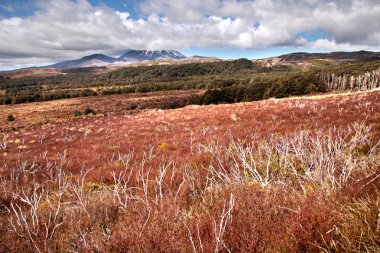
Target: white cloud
<point x="65" y="29"/>
<point x="332" y="45"/>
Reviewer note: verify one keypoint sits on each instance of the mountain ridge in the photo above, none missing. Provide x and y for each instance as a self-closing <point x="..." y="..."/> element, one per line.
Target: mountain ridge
<point x="142" y="55"/>
<point x="100" y="60"/>
<point x="100" y="63"/>
<point x="302" y="56"/>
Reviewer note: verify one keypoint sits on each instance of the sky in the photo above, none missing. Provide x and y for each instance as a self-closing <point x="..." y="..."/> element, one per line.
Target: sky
<point x="41" y="32"/>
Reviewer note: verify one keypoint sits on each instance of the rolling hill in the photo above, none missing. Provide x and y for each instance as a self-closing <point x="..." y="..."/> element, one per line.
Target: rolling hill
<point x="302" y="56"/>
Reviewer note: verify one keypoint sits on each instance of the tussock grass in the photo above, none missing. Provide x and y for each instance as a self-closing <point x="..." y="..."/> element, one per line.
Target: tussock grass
<point x="304" y="191"/>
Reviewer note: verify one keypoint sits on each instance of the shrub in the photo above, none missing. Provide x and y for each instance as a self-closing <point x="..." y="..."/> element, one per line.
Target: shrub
<point x="89" y="111"/>
<point x="11" y="117"/>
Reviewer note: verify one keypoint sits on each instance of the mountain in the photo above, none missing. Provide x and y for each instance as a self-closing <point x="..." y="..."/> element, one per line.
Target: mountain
<point x="302" y="56"/>
<point x="100" y="60"/>
<point x="102" y="63"/>
<point x="148" y="55"/>
<point x="95" y="60"/>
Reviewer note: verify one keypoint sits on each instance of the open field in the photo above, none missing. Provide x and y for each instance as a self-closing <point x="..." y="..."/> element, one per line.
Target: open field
<point x="37" y="113"/>
<point x="113" y="141"/>
<point x="278" y="175"/>
<point x="176" y="127"/>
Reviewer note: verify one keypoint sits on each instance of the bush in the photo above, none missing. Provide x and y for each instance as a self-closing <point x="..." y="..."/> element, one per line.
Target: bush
<point x="89" y="111"/>
<point x="10" y="117"/>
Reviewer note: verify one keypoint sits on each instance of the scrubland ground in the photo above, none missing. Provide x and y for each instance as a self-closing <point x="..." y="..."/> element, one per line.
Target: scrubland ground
<point x="30" y="115"/>
<point x="279" y="175"/>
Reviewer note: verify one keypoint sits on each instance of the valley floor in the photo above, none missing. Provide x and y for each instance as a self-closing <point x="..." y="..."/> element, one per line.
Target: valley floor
<point x="279" y="175"/>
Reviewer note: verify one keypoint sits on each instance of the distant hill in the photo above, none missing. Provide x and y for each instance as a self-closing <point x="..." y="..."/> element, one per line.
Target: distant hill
<point x="95" y="60"/>
<point x="302" y="56"/>
<point x="100" y="63"/>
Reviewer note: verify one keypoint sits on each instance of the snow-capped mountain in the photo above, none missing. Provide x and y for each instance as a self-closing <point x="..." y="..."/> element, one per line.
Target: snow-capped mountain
<point x="148" y="55"/>
<point x="99" y="60"/>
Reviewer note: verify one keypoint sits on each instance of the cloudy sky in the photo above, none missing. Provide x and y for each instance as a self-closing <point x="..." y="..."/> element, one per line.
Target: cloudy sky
<point x="38" y="32"/>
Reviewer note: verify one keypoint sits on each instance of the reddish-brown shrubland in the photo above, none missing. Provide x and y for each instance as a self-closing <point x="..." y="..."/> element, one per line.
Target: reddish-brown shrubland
<point x="290" y="175"/>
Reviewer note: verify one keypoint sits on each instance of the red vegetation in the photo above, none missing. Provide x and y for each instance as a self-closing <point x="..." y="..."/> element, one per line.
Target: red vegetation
<point x="88" y="141"/>
<point x="290" y="175"/>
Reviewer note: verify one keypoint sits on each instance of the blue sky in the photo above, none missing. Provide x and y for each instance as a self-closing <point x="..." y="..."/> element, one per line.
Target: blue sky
<point x="38" y="32"/>
<point x="16" y="8"/>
